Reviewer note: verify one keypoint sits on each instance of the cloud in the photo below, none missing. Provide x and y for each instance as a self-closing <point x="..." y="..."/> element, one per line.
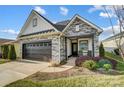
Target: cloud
<point x="10" y="31"/>
<point x="102" y="13"/>
<point x="95" y="8"/>
<point x="40" y="10"/>
<point x="107" y="32"/>
<point x="105" y="15"/>
<point x="63" y="11"/>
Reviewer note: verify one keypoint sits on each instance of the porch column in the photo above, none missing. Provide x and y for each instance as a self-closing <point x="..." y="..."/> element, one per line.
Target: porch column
<point x="93" y="45"/>
<point x="66" y="56"/>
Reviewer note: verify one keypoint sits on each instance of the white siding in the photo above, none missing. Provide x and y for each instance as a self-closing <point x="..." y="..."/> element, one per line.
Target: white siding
<point x="68" y="47"/>
<point x="41" y="25"/>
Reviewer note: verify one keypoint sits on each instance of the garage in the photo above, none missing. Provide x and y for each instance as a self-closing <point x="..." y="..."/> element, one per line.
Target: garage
<point x="39" y="51"/>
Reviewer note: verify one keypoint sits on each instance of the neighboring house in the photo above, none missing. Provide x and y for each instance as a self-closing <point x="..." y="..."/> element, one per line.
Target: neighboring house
<point x="2" y="41"/>
<point x="41" y="40"/>
<point x="110" y="44"/>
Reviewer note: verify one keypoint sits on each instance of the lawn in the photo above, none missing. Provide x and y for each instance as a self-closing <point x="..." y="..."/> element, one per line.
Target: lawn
<point x="76" y="78"/>
<point x="77" y="81"/>
<point x="2" y="61"/>
<point x="120" y="65"/>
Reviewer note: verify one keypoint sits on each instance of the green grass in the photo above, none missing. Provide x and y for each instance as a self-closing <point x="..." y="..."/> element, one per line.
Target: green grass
<point x="120" y="65"/>
<point x="116" y="57"/>
<point x="79" y="81"/>
<point x="2" y="61"/>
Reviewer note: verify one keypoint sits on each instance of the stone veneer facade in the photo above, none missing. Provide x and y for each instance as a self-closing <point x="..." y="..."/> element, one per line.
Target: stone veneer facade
<point x="85" y="31"/>
<point x="62" y="49"/>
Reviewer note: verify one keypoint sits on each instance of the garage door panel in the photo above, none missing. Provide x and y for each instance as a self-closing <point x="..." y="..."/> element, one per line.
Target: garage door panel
<point x="35" y="51"/>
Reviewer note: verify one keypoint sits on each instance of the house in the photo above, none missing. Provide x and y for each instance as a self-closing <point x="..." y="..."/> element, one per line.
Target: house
<point x="2" y="41"/>
<point x="41" y="40"/>
<point x="110" y="44"/>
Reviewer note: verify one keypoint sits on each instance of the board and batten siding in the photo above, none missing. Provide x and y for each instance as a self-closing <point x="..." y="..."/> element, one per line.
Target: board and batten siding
<point x="41" y="25"/>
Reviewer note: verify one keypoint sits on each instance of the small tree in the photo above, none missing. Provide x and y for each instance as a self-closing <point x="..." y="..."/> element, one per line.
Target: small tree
<point x="101" y="50"/>
<point x="12" y="53"/>
<point x="5" y="50"/>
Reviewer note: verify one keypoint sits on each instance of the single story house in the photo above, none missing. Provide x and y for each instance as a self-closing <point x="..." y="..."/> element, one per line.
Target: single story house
<point x="42" y="40"/>
<point x="2" y="41"/>
<point x="110" y="44"/>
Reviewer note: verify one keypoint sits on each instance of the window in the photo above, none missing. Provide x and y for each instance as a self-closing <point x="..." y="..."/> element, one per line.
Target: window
<point x="77" y="27"/>
<point x="83" y="45"/>
<point x="45" y="44"/>
<point x="41" y="44"/>
<point x="34" y="22"/>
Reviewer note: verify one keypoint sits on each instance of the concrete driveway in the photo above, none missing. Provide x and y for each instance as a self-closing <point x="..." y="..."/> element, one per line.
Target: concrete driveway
<point x="13" y="71"/>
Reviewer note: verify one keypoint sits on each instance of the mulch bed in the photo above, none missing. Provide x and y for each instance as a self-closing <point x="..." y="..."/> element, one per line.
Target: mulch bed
<point x="42" y="76"/>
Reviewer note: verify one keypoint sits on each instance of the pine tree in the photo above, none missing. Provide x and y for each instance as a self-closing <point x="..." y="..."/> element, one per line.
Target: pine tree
<point x="101" y="50"/>
<point x="5" y="50"/>
<point x="12" y="53"/>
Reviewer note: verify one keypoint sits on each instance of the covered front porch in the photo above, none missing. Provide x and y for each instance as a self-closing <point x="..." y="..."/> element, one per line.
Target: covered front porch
<point x="80" y="46"/>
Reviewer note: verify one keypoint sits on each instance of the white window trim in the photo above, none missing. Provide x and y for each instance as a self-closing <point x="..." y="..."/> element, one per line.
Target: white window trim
<point x="77" y="28"/>
<point x="89" y="43"/>
<point x="34" y="22"/>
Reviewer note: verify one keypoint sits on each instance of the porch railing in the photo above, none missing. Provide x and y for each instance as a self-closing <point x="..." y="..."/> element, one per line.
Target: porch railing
<point x="85" y="53"/>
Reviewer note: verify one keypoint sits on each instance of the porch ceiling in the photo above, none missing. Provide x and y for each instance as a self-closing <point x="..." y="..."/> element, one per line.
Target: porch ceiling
<point x="80" y="36"/>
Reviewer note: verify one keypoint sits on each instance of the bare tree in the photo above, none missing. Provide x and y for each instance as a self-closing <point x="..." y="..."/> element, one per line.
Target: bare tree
<point x="119" y="13"/>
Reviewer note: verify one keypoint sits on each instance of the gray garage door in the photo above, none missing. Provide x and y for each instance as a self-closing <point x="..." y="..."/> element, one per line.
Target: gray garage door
<point x="39" y="51"/>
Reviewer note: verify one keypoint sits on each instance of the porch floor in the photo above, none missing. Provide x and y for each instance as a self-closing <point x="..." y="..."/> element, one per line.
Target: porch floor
<point x="71" y="61"/>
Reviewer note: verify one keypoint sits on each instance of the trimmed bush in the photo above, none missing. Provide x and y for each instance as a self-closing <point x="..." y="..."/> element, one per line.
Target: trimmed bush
<point x="101" y="50"/>
<point x="90" y="64"/>
<point x="113" y="62"/>
<point x="97" y="58"/>
<point x="12" y="53"/>
<point x="5" y="50"/>
<point x="103" y="61"/>
<point x="107" y="67"/>
<point x="81" y="59"/>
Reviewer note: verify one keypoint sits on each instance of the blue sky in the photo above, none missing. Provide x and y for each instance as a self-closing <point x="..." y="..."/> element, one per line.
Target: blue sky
<point x="12" y="18"/>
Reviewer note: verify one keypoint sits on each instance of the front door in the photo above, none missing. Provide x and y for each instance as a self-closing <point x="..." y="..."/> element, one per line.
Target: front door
<point x="74" y="49"/>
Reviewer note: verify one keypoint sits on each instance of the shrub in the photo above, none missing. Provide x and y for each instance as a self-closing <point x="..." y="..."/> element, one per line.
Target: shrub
<point x="101" y="50"/>
<point x="102" y="62"/>
<point x="90" y="64"/>
<point x="5" y="50"/>
<point x="0" y="55"/>
<point x="12" y="53"/>
<point x="113" y="62"/>
<point x="81" y="59"/>
<point x="97" y="58"/>
<point x="107" y="67"/>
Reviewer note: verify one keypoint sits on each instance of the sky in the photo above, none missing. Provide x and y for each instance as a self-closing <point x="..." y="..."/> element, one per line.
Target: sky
<point x="12" y="18"/>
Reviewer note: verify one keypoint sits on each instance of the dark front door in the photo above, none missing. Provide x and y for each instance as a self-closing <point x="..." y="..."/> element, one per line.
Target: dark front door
<point x="74" y="49"/>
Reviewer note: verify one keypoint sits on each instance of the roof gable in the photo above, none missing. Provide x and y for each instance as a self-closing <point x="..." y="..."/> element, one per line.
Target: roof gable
<point x="45" y="24"/>
<point x="84" y="20"/>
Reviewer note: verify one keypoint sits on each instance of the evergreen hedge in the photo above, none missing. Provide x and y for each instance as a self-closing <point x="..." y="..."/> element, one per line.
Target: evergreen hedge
<point x="5" y="50"/>
<point x="101" y="50"/>
<point x="12" y="53"/>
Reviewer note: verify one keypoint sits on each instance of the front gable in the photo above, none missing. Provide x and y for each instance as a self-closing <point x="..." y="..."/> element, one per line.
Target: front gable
<point x="42" y="25"/>
<point x="84" y="28"/>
